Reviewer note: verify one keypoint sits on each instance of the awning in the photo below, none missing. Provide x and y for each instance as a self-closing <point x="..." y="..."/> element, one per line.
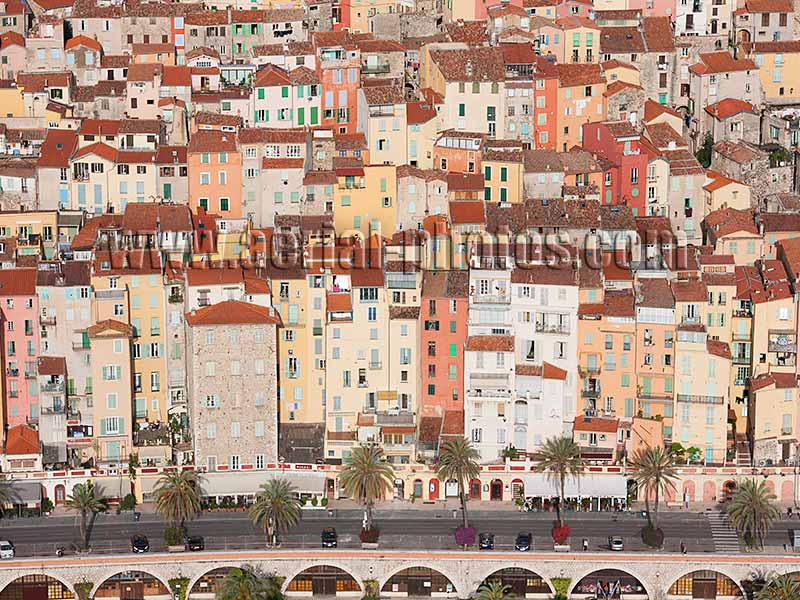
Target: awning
<point x="586" y="486"/>
<point x="248" y="482"/>
<point x="25" y="492"/>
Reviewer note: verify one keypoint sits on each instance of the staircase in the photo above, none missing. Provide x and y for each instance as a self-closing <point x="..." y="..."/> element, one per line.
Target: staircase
<point x="743" y="458"/>
<point x="725" y="538"/>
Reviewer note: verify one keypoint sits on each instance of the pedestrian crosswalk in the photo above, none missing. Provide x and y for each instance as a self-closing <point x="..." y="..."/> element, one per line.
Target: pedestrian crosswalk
<point x="724" y="536"/>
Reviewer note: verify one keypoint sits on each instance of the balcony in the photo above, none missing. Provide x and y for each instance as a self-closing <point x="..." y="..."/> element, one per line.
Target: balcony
<point x="13" y="394"/>
<point x="47" y="320"/>
<point x="12" y="372"/>
<point x="317" y="331"/>
<point x="490" y="298"/>
<point x="52" y="387"/>
<point x="375" y="365"/>
<point x="175" y="299"/>
<point x="741" y="359"/>
<point x="80" y="345"/>
<point x="782" y="341"/>
<point x="590" y="392"/>
<point x="743" y="313"/>
<point x="552" y="328"/>
<point x="700" y="399"/>
<point x="375" y="69"/>
<point x="589" y="370"/>
<point x="151" y="435"/>
<point x="786" y="431"/>
<point x="30" y="374"/>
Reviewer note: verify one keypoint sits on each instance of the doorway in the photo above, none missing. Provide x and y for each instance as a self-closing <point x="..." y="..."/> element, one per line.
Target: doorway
<point x="496" y="490"/>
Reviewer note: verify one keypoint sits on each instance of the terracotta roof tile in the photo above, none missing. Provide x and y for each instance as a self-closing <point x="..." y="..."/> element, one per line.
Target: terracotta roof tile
<point x="232" y="312"/>
<point x="490" y="343"/>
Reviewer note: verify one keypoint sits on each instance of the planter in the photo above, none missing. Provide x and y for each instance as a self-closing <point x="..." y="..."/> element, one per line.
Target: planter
<point x="561" y="547"/>
<point x="369" y="545"/>
<point x="176" y="548"/>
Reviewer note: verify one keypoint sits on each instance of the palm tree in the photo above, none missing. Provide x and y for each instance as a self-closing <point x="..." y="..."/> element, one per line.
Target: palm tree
<point x="782" y="587"/>
<point x="85" y="501"/>
<point x="752" y="510"/>
<point x="560" y="458"/>
<point x="248" y="584"/>
<point x="494" y="590"/>
<point x="368" y="477"/>
<point x="458" y="459"/>
<point x="654" y="472"/>
<point x="276" y="507"/>
<point x="177" y="496"/>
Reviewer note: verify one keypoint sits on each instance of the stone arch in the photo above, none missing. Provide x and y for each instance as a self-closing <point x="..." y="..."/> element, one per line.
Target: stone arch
<point x="521" y="580"/>
<point x="586" y="584"/>
<point x="685" y="585"/>
<point x="56" y="588"/>
<point x="787" y="491"/>
<point x="709" y="492"/>
<point x="688" y="491"/>
<point x="154" y="583"/>
<point x="205" y="584"/>
<point x="413" y="580"/>
<point x="329" y="578"/>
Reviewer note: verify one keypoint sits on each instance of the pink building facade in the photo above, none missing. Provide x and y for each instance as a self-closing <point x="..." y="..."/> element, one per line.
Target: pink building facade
<point x="19" y="308"/>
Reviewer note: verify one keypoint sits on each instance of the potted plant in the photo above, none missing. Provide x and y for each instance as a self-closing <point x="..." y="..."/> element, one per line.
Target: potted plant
<point x="173" y="537"/>
<point x="369" y="538"/>
<point x="560" y="535"/>
<point x="465" y="536"/>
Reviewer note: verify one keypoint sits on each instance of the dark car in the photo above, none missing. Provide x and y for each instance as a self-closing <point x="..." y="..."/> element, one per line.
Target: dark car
<point x="195" y="543"/>
<point x="139" y="544"/>
<point x="486" y="541"/>
<point x="523" y="543"/>
<point x="329" y="539"/>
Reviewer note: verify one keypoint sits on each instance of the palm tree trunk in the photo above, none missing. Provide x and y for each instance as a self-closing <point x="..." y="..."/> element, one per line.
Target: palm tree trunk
<point x="647" y="506"/>
<point x="369" y="514"/>
<point x="655" y="511"/>
<point x="84" y="530"/>
<point x="562" y="482"/>
<point x="463" y="498"/>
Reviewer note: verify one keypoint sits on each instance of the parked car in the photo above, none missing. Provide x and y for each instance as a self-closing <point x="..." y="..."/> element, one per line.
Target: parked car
<point x="615" y="543"/>
<point x="195" y="543"/>
<point x="486" y="541"/>
<point x="7" y="549"/>
<point x="140" y="544"/>
<point x="523" y="543"/>
<point x="329" y="538"/>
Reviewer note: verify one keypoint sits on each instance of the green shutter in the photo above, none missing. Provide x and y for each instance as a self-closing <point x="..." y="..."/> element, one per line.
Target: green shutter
<point x="301" y="116"/>
<point x="102" y="426"/>
<point x="260" y="93"/>
<point x="284" y="92"/>
<point x="122" y="429"/>
<point x="314" y="115"/>
<point x="266" y="116"/>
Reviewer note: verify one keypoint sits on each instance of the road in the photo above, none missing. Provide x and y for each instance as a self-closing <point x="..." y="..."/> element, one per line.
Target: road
<point x="399" y="530"/>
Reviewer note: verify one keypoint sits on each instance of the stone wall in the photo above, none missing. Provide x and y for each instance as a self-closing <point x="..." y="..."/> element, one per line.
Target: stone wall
<point x="466" y="571"/>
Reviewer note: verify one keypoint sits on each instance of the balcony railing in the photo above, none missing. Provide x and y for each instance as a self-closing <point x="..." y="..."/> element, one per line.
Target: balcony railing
<point x="47" y="320"/>
<point x="552" y="328"/>
<point x="80" y="345"/>
<point x="175" y="299"/>
<point x="375" y="69"/>
<point x="52" y="387"/>
<point x="700" y="399"/>
<point x="590" y="393"/>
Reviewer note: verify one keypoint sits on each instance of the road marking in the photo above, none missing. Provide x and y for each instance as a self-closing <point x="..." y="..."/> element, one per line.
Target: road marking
<point x="724" y="537"/>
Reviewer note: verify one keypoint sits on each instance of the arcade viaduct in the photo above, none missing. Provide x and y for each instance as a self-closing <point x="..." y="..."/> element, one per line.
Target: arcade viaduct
<point x="464" y="572"/>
